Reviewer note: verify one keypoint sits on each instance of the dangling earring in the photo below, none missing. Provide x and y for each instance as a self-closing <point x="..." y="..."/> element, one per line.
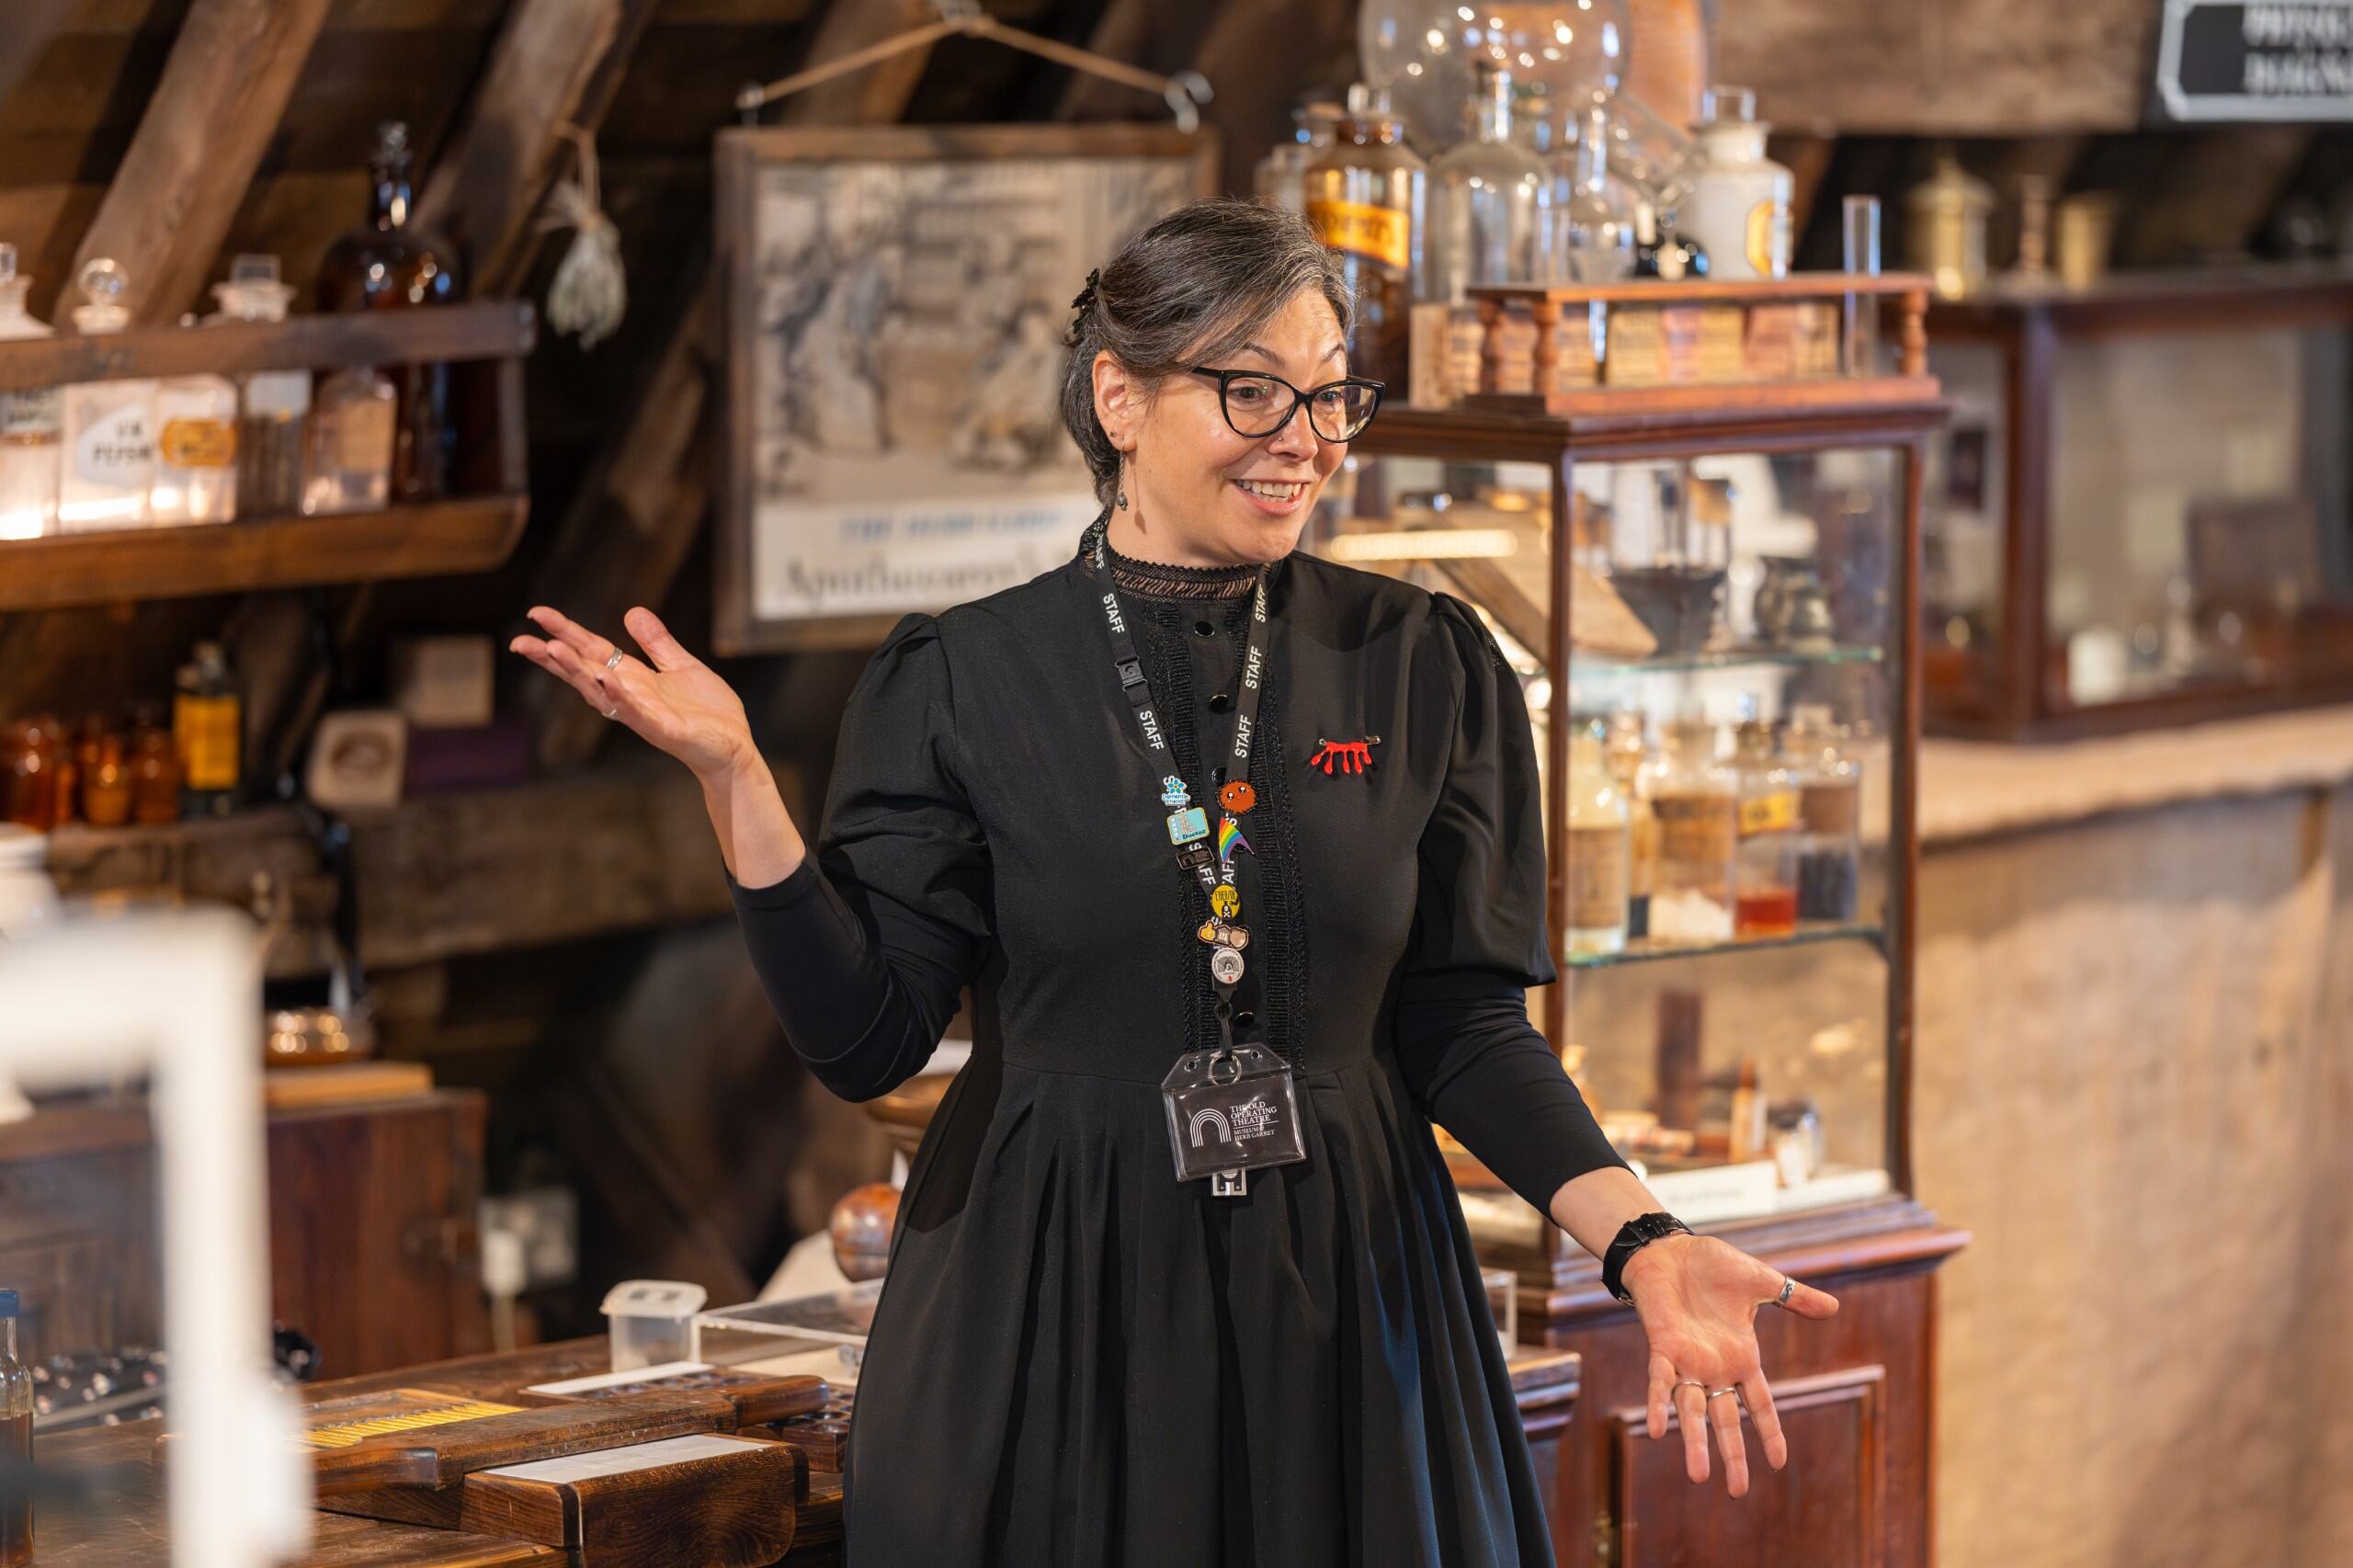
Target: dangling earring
<point x="1123" y="485"/>
<point x="1123" y="499"/>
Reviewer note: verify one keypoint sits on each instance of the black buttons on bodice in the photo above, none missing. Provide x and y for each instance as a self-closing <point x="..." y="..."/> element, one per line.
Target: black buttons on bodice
<point x="1204" y="629"/>
<point x="1219" y="702"/>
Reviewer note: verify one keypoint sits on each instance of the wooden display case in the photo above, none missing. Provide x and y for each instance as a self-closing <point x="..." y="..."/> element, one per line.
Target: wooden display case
<point x="2142" y="513"/>
<point x="1553" y="522"/>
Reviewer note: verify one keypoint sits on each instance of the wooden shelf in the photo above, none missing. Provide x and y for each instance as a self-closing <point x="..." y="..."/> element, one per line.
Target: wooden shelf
<point x="490" y="329"/>
<point x="430" y="540"/>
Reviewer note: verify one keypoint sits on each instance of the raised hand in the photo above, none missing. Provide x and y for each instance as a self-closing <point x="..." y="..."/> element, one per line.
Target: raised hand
<point x="669" y="697"/>
<point x="1698" y="1298"/>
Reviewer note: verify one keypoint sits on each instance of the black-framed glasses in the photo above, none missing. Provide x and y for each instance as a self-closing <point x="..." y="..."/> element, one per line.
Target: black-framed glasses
<point x="1255" y="405"/>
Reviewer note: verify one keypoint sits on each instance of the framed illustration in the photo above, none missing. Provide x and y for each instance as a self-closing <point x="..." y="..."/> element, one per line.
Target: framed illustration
<point x="895" y="305"/>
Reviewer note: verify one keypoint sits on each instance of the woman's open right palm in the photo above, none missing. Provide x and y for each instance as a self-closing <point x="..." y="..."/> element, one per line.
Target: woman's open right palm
<point x="670" y="698"/>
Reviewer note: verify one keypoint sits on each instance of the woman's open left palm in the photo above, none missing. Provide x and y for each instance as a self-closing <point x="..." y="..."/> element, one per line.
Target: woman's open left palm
<point x="671" y="699"/>
<point x="1698" y="1299"/>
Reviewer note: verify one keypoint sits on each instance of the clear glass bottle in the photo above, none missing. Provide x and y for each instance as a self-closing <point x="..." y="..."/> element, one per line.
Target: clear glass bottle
<point x="1599" y="847"/>
<point x="347" y="460"/>
<point x="1695" y="799"/>
<point x="1490" y="203"/>
<point x="1830" y="817"/>
<point x="1625" y="751"/>
<point x="1280" y="176"/>
<point x="195" y="450"/>
<point x="107" y="428"/>
<point x="28" y="424"/>
<point x="1739" y="205"/>
<point x="271" y="403"/>
<point x="1764" y="882"/>
<point x="1367" y="197"/>
<point x="1596" y="231"/>
<point x="16" y="1442"/>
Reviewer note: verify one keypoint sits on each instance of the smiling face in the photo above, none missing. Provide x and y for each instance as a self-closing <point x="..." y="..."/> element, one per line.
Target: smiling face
<point x="1200" y="494"/>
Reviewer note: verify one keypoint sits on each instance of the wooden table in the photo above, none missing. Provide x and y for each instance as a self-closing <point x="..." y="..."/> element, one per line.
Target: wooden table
<point x="127" y="1524"/>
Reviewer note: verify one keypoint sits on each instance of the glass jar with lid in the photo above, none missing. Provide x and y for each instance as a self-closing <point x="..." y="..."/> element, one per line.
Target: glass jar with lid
<point x="1490" y="205"/>
<point x="1367" y="195"/>
<point x="1695" y="798"/>
<point x="1764" y="893"/>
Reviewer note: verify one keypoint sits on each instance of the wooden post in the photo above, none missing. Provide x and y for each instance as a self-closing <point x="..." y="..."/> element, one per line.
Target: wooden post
<point x="187" y="170"/>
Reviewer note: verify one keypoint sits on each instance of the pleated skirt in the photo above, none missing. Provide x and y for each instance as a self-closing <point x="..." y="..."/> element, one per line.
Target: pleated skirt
<point x="1079" y="1360"/>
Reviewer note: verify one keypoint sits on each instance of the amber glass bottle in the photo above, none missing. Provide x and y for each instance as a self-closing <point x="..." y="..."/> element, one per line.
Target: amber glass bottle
<point x="16" y="1443"/>
<point x="386" y="263"/>
<point x="1366" y="196"/>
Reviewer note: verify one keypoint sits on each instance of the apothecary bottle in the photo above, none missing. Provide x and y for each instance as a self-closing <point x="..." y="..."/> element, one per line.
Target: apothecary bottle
<point x="1739" y="205"/>
<point x="1694" y="798"/>
<point x="1490" y="203"/>
<point x="16" y="1441"/>
<point x="271" y="403"/>
<point x="387" y="264"/>
<point x="1830" y="815"/>
<point x="1367" y="195"/>
<point x="347" y="460"/>
<point x="1765" y="891"/>
<point x="195" y="450"/>
<point x="107" y="428"/>
<point x="1625" y="752"/>
<point x="1600" y="847"/>
<point x="1596" y="229"/>
<point x="1280" y="176"/>
<point x="28" y="424"/>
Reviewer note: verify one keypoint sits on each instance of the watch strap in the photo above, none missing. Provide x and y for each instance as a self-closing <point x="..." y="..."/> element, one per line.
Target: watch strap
<point x="1632" y="1236"/>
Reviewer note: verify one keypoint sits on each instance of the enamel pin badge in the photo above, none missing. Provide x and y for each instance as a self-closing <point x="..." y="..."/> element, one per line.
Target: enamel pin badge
<point x="1344" y="756"/>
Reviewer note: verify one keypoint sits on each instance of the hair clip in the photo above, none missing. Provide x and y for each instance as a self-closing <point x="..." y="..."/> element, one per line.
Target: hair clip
<point x="1087" y="295"/>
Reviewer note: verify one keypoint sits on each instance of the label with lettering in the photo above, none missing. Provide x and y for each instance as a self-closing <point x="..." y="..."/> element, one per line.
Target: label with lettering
<point x="197" y="443"/>
<point x="363" y="435"/>
<point x="1769" y="238"/>
<point x="117" y="449"/>
<point x="1696" y="833"/>
<point x="1361" y="228"/>
<point x="29" y="416"/>
<point x="1597" y="878"/>
<point x="1776" y="812"/>
<point x="204" y="729"/>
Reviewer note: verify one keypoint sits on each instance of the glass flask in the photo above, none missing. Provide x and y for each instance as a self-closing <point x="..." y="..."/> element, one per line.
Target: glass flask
<point x="1594" y="233"/>
<point x="1367" y="195"/>
<point x="272" y="403"/>
<point x="28" y="424"/>
<point x="1490" y="203"/>
<point x="1426" y="53"/>
<point x="1695" y="798"/>
<point x="108" y="427"/>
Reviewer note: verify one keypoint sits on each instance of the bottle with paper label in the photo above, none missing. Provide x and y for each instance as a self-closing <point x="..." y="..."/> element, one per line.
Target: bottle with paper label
<point x="271" y="403"/>
<point x="1599" y="847"/>
<point x="195" y="450"/>
<point x="1739" y="205"/>
<point x="1365" y="197"/>
<point x="107" y="428"/>
<point x="28" y="425"/>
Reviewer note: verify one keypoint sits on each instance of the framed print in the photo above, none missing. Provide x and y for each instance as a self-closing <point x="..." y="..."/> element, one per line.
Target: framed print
<point x="895" y="305"/>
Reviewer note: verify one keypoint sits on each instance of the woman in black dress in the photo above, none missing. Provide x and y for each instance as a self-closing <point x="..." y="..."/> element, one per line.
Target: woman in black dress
<point x="1079" y="1357"/>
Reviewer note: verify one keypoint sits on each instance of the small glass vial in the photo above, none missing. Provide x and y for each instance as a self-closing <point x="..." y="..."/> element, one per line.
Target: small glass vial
<point x="195" y="450"/>
<point x="28" y="425"/>
<point x="271" y="403"/>
<point x="1764" y="872"/>
<point x="16" y="1442"/>
<point x="108" y="427"/>
<point x="1598" y="847"/>
<point x="1739" y="205"/>
<point x="1694" y="798"/>
<point x="348" y="464"/>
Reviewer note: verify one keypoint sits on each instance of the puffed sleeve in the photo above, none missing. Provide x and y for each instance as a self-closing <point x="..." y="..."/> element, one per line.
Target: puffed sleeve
<point x="1475" y="1063"/>
<point x="864" y="948"/>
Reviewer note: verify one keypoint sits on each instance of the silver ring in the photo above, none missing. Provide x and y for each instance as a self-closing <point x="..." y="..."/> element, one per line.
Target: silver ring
<point x="1680" y="1383"/>
<point x="1728" y="1388"/>
<point x="1789" y="1289"/>
<point x="615" y="662"/>
<point x="612" y="713"/>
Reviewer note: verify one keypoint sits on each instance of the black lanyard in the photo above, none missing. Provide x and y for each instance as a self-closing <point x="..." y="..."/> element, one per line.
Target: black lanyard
<point x="1204" y="855"/>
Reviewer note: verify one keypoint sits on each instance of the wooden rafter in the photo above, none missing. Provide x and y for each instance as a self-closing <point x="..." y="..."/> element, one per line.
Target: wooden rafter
<point x="31" y="25"/>
<point x="556" y="64"/>
<point x="231" y="70"/>
<point x="625" y="538"/>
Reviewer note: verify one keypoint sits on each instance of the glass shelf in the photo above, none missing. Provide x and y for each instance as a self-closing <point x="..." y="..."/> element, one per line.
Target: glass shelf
<point x="1730" y="659"/>
<point x="1645" y="951"/>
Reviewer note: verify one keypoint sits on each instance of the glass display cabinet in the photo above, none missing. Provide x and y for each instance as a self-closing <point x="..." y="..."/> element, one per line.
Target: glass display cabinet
<point x="2142" y="513"/>
<point x="1708" y="594"/>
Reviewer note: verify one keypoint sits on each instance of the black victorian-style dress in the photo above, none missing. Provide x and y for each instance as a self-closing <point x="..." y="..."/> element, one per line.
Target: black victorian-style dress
<point x="1078" y="1359"/>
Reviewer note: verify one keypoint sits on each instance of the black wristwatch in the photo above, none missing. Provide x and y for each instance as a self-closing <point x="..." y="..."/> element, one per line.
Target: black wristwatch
<point x="1632" y="1236"/>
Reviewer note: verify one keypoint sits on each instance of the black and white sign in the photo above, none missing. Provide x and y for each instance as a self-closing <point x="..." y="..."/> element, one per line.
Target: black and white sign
<point x="2244" y="61"/>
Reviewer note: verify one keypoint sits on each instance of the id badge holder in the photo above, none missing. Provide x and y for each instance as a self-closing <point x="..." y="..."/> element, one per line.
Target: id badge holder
<point x="1230" y="1111"/>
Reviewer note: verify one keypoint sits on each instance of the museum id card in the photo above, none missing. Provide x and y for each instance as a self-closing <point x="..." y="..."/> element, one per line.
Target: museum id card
<point x="1231" y="1109"/>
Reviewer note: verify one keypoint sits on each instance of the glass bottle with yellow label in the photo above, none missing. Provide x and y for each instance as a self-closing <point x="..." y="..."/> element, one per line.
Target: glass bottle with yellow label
<point x="195" y="450"/>
<point x="1366" y="196"/>
<point x="1765" y="883"/>
<point x="1600" y="847"/>
<point x="208" y="727"/>
<point x="1739" y="205"/>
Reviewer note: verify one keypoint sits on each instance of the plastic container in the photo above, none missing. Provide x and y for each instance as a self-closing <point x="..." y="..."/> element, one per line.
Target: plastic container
<point x="650" y="1322"/>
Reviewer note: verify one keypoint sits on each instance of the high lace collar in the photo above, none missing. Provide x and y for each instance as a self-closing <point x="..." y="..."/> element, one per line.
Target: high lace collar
<point x="1160" y="580"/>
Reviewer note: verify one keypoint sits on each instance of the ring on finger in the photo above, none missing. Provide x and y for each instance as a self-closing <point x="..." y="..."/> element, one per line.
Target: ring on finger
<point x="615" y="662"/>
<point x="1686" y="1383"/>
<point x="1728" y="1388"/>
<point x="1789" y="1289"/>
